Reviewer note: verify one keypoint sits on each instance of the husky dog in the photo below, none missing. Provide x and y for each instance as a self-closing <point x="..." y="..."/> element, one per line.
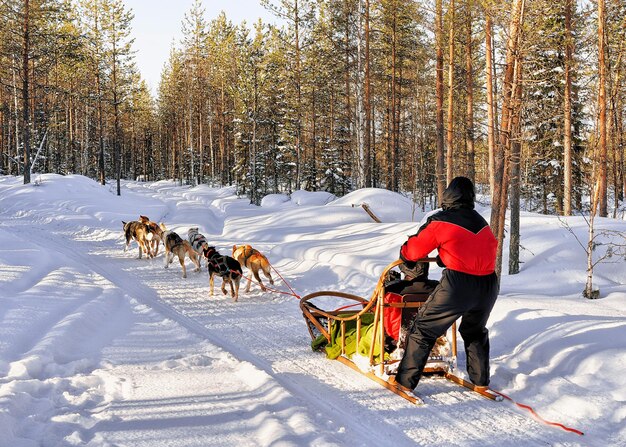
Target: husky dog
<point x="175" y="245"/>
<point x="225" y="267"/>
<point x="198" y="243"/>
<point x="158" y="235"/>
<point x="141" y="233"/>
<point x="254" y="261"/>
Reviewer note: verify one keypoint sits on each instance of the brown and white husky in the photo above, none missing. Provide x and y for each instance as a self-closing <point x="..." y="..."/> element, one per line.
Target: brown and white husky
<point x="140" y="232"/>
<point x="157" y="232"/>
<point x="175" y="245"/>
<point x="254" y="261"/>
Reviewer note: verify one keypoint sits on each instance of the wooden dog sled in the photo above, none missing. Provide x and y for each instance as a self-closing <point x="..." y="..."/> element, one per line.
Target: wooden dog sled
<point x="362" y="323"/>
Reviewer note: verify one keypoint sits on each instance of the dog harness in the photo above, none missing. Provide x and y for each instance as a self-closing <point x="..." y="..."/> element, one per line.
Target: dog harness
<point x="197" y="240"/>
<point x="248" y="252"/>
<point x="219" y="262"/>
<point x="177" y="239"/>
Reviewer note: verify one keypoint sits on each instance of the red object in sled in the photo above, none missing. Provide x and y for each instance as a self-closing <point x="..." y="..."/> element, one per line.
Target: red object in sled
<point x="393" y="315"/>
<point x="398" y="312"/>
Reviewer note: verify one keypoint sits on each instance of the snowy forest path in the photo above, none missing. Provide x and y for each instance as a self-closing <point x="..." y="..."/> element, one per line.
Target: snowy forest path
<point x="150" y="284"/>
<point x="268" y="331"/>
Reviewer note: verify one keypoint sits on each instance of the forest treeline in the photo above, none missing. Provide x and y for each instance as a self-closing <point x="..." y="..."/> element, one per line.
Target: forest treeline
<point x="526" y="97"/>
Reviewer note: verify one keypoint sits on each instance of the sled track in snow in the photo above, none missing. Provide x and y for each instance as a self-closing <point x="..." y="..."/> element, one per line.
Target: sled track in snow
<point x="267" y="330"/>
<point x="133" y="286"/>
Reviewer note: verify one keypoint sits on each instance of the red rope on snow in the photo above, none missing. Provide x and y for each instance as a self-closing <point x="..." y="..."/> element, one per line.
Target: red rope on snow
<point x="267" y="288"/>
<point x="534" y="413"/>
<point x="293" y="293"/>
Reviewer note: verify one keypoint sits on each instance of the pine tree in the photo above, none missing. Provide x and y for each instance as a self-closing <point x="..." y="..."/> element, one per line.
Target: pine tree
<point x="116" y="22"/>
<point x="194" y="30"/>
<point x="544" y="105"/>
<point x="95" y="49"/>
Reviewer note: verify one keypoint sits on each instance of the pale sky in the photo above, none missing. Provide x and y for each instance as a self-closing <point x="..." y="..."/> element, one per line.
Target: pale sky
<point x="158" y="22"/>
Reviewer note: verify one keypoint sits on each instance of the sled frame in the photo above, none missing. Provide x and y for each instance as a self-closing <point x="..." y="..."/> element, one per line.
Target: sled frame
<point x="376" y="304"/>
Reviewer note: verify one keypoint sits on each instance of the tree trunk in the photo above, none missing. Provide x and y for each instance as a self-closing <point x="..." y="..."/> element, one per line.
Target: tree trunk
<point x="101" y="166"/>
<point x="25" y="91"/>
<point x="567" y="112"/>
<point x="469" y="80"/>
<point x="394" y="97"/>
<point x="192" y="161"/>
<point x="223" y="155"/>
<point x="298" y="98"/>
<point x="70" y="132"/>
<point x="450" y="130"/>
<point x="375" y="179"/>
<point x="200" y="147"/>
<point x="516" y="152"/>
<point x="313" y="138"/>
<point x="615" y="131"/>
<point x="491" y="109"/>
<point x="360" y="109"/>
<point x="368" y="103"/>
<point x="86" y="152"/>
<point x="388" y="135"/>
<point x="588" y="292"/>
<point x="212" y="156"/>
<point x="116" y="117"/>
<point x="499" y="202"/>
<point x="17" y="121"/>
<point x="602" y="131"/>
<point x="254" y="183"/>
<point x="440" y="156"/>
<point x="620" y="144"/>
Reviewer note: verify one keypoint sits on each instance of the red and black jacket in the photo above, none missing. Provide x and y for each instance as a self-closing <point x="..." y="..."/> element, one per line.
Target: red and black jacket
<point x="461" y="236"/>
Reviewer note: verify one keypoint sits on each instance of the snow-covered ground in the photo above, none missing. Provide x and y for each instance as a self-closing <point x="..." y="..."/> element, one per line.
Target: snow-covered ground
<point x="99" y="348"/>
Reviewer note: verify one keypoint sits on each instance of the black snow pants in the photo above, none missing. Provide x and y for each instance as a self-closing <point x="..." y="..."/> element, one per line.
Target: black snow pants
<point x="458" y="295"/>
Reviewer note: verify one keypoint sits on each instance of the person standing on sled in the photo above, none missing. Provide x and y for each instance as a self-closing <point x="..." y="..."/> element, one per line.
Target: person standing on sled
<point x="468" y="286"/>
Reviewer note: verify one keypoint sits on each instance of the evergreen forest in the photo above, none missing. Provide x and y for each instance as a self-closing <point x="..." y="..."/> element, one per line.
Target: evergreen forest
<point x="525" y="97"/>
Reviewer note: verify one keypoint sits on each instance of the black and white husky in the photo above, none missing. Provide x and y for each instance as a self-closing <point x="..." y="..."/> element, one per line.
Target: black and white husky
<point x="198" y="243"/>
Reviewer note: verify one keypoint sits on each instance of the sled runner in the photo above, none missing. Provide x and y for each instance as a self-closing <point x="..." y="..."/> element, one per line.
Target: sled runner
<point x="361" y="333"/>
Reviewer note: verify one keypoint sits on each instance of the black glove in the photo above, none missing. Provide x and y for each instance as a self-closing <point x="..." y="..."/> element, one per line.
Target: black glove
<point x="440" y="262"/>
<point x="407" y="268"/>
<point x="392" y="278"/>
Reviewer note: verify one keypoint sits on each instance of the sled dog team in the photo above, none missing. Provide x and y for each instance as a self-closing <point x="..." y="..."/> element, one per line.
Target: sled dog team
<point x="149" y="235"/>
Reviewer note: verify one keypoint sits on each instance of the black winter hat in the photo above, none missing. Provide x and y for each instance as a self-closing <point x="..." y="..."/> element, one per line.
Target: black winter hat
<point x="459" y="194"/>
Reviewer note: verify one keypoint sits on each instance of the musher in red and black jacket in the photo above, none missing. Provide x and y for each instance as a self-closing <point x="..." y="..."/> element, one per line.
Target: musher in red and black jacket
<point x="468" y="287"/>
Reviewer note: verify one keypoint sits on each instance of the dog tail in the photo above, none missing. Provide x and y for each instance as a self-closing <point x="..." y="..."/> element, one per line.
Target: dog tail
<point x="127" y="231"/>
